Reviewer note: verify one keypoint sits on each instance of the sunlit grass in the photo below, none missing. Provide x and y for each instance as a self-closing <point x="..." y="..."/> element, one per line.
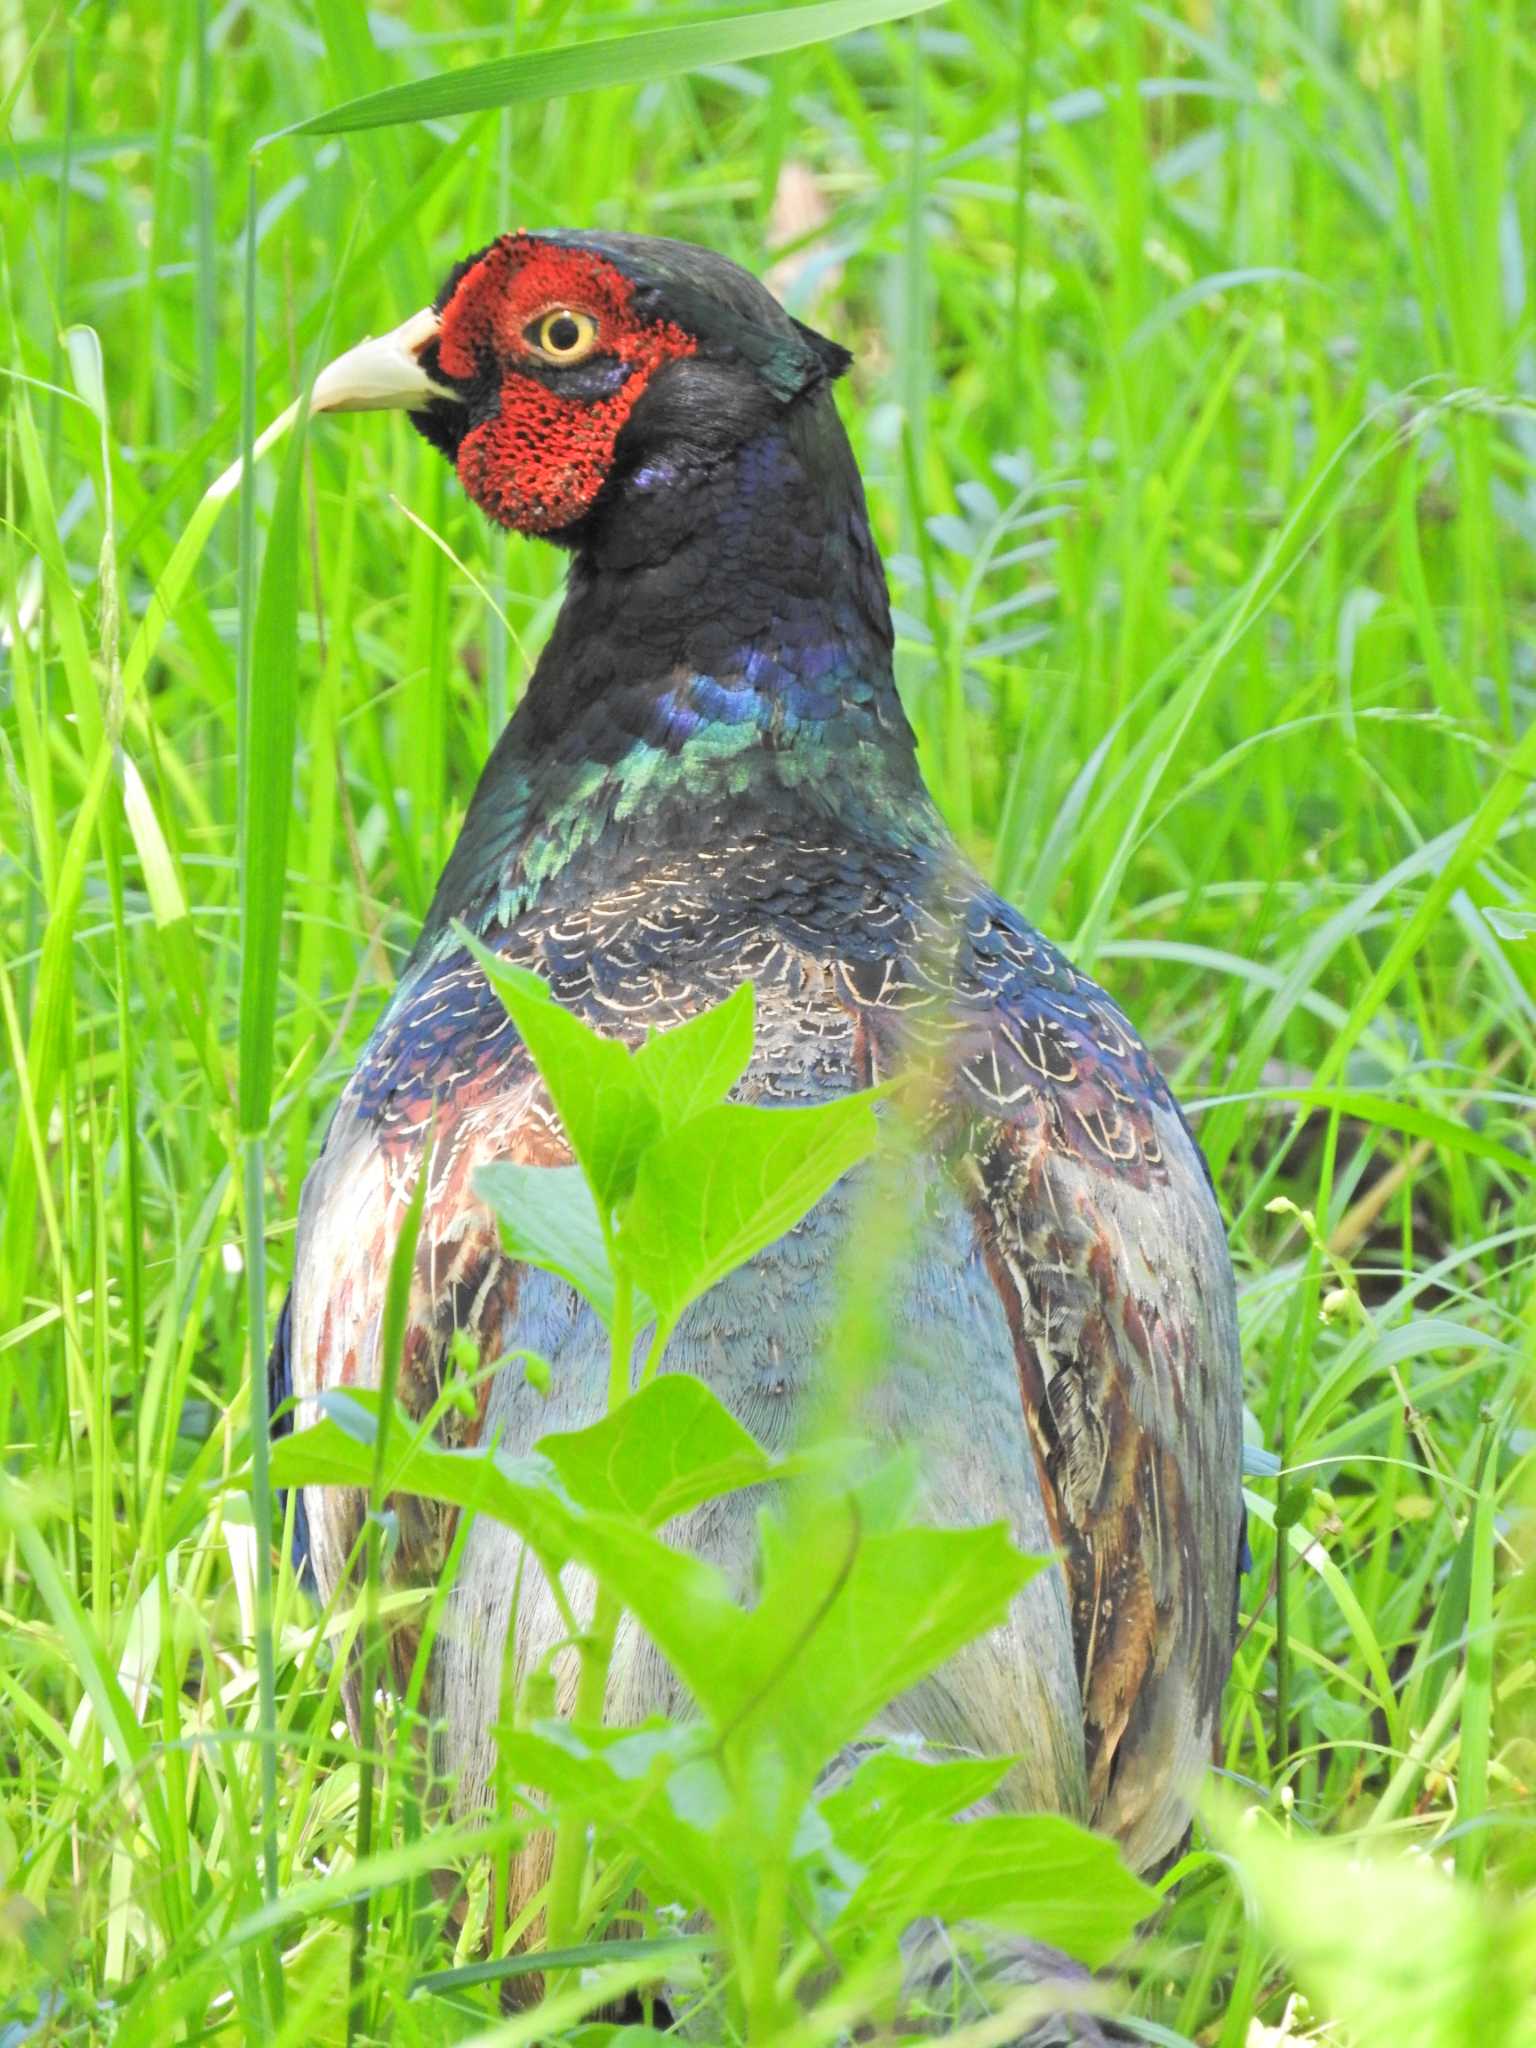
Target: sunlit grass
<point x="1216" y="601"/>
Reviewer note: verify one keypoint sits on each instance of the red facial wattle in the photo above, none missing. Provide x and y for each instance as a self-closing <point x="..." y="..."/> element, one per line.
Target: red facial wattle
<point x="541" y="460"/>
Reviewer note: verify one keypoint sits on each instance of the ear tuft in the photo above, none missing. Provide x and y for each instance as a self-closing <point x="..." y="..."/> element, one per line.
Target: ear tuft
<point x="802" y="360"/>
<point x="834" y="358"/>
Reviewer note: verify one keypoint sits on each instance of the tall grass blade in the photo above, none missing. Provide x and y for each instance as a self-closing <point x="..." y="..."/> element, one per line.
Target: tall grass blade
<point x="268" y="639"/>
<point x="617" y="60"/>
<point x="270" y="725"/>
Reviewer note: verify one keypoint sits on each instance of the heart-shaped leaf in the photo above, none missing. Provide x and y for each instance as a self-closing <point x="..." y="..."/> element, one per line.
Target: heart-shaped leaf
<point x="713" y="1193"/>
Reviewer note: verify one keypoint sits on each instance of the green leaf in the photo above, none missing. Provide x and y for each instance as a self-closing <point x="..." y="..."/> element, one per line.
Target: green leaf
<point x="658" y="1788"/>
<point x="340" y="1450"/>
<point x="711" y="1194"/>
<point x="548" y="1218"/>
<point x="506" y="975"/>
<point x="617" y="60"/>
<point x="1033" y="1874"/>
<point x="848" y="1620"/>
<point x="890" y="1792"/>
<point x="671" y="1446"/>
<point x="608" y="1112"/>
<point x="684" y="1605"/>
<point x="696" y="1064"/>
<point x="1399" y="1953"/>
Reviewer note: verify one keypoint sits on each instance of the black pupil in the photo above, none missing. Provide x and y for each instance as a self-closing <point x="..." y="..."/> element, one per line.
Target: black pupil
<point x="562" y="334"/>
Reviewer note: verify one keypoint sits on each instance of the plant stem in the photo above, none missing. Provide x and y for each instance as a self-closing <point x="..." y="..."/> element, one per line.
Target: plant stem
<point x="621" y="1337"/>
<point x="563" y="1917"/>
<point x="660" y="1337"/>
<point x="763" y="2009"/>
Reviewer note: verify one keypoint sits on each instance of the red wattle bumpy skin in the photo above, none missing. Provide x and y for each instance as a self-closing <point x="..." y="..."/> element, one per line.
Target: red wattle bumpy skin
<point x="540" y="462"/>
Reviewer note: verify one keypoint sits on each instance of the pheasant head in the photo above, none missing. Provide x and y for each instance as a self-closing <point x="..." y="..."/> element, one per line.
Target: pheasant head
<point x="562" y="372"/>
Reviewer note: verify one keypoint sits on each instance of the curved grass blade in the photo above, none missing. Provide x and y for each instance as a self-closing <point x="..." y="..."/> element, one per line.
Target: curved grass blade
<point x="616" y="60"/>
<point x="585" y="1956"/>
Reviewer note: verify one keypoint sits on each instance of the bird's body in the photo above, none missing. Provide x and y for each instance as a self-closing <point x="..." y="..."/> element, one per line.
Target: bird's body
<point x="710" y="779"/>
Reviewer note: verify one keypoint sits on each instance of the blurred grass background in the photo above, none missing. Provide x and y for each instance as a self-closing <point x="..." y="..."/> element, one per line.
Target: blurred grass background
<point x="1195" y="357"/>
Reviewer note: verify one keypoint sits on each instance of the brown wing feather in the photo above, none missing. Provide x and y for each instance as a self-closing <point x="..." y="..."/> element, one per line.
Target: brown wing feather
<point x="1118" y="1292"/>
<point x="353" y="1206"/>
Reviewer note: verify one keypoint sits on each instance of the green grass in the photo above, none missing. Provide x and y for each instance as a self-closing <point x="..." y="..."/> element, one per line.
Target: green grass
<point x="1205" y="462"/>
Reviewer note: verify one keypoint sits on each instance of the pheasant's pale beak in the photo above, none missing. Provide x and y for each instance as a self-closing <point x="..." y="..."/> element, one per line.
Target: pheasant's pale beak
<point x="381" y="375"/>
<point x="378" y="375"/>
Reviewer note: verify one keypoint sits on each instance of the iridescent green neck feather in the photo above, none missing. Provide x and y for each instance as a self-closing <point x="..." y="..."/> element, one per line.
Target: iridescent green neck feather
<point x="721" y="665"/>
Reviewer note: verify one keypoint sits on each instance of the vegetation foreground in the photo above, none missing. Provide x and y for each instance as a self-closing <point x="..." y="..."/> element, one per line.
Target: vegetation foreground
<point x="1192" y="347"/>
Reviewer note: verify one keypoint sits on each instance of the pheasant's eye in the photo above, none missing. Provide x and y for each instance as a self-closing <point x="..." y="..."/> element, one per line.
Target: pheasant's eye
<point x="562" y="335"/>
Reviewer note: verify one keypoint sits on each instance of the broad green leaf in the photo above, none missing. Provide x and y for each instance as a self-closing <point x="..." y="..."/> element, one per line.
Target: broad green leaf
<point x="1389" y="1946"/>
<point x="713" y="1193"/>
<point x="671" y="1446"/>
<point x="845" y="1623"/>
<point x="1034" y="1874"/>
<point x="658" y="1788"/>
<point x="696" y="1064"/>
<point x="847" y="1620"/>
<point x="890" y="1792"/>
<point x="607" y="1110"/>
<point x="523" y="1493"/>
<point x="547" y="1217"/>
<point x="506" y="974"/>
<point x="684" y="1605"/>
<point x="617" y="60"/>
<point x="355" y="1412"/>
